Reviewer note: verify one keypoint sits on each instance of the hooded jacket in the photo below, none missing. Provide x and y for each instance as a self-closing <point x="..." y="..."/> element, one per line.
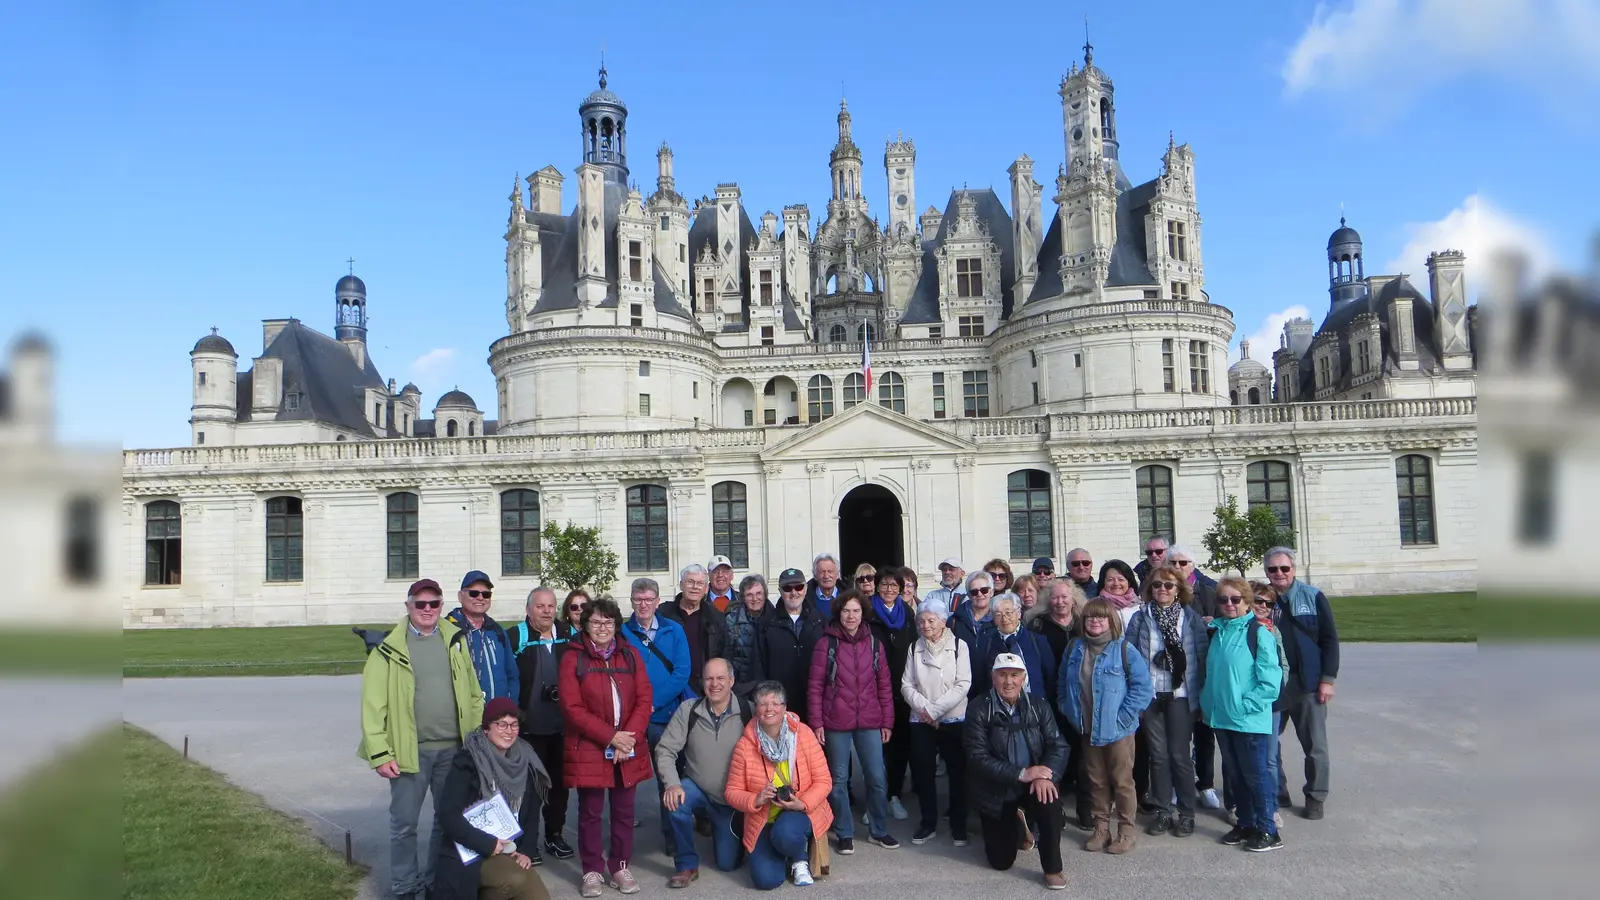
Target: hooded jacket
<point x="492" y="658"/>
<point x="859" y="694"/>
<point x="1240" y="685"/>
<point x="388" y="697"/>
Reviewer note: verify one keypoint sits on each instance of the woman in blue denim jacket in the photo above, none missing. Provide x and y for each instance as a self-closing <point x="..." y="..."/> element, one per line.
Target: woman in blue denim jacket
<point x="1102" y="688"/>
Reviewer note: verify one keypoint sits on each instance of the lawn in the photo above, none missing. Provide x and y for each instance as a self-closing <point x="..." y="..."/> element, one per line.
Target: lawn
<point x="289" y="650"/>
<point x="58" y="826"/>
<point x="187" y="834"/>
<point x="1408" y="617"/>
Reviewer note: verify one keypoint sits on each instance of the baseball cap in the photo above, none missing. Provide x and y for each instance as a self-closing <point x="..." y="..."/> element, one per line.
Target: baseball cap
<point x="426" y="584"/>
<point x="791" y="576"/>
<point x="499" y="708"/>
<point x="718" y="561"/>
<point x="1044" y="563"/>
<point x="1009" y="661"/>
<point x="473" y="577"/>
<point x="950" y="562"/>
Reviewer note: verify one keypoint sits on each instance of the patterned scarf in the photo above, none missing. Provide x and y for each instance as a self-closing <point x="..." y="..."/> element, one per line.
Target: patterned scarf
<point x="1171" y="658"/>
<point x="508" y="772"/>
<point x="780" y="748"/>
<point x="1120" y="601"/>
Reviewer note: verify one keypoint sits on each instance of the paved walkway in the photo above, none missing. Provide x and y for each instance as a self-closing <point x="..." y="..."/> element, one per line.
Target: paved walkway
<point x="1400" y="816"/>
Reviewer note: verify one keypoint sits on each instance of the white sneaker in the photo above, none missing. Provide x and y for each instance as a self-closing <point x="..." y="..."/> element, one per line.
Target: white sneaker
<point x="898" y="809"/>
<point x="866" y="818"/>
<point x="801" y="871"/>
<point x="592" y="882"/>
<point x="1209" y="799"/>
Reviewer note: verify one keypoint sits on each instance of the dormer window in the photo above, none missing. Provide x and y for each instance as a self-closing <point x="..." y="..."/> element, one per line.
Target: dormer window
<point x="1177" y="242"/>
<point x="291" y="400"/>
<point x="636" y="260"/>
<point x="766" y="287"/>
<point x="1364" y="357"/>
<point x="1180" y="290"/>
<point x="969" y="278"/>
<point x="1324" y="372"/>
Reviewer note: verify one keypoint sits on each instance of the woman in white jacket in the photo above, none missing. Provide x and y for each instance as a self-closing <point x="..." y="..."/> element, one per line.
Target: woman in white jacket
<point x="937" y="676"/>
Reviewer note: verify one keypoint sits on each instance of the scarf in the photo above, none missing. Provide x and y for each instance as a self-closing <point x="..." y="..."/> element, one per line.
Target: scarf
<point x="896" y="620"/>
<point x="1171" y="658"/>
<point x="508" y="772"/>
<point x="778" y="749"/>
<point x="603" y="652"/>
<point x="1120" y="601"/>
<point x="1093" y="646"/>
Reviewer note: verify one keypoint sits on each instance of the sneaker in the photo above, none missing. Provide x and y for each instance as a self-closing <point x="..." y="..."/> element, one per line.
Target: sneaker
<point x="1085" y="816"/>
<point x="1263" y="842"/>
<point x="558" y="848"/>
<point x="960" y="840"/>
<point x="624" y="881"/>
<point x="898" y="809"/>
<point x="1126" y="839"/>
<point x="1147" y="805"/>
<point x="1235" y="837"/>
<point x="592" y="883"/>
<point x="886" y="841"/>
<point x="801" y="872"/>
<point x="924" y="835"/>
<point x="847" y="846"/>
<point x="1161" y="825"/>
<point x="1209" y="799"/>
<point x="535" y="857"/>
<point x="1313" y="808"/>
<point x="1100" y="840"/>
<point x="683" y="879"/>
<point x="1055" y="881"/>
<point x="1185" y="825"/>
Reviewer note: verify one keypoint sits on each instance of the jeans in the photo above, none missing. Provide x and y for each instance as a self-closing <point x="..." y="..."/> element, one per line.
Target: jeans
<point x="1000" y="832"/>
<point x="548" y="746"/>
<point x="652" y="737"/>
<point x="405" y="806"/>
<point x="868" y="744"/>
<point x="1310" y="720"/>
<point x="785" y="840"/>
<point x="1245" y="759"/>
<point x="725" y="842"/>
<point x="1167" y="724"/>
<point x="1274" y="763"/>
<point x="591" y="803"/>
<point x="928" y="744"/>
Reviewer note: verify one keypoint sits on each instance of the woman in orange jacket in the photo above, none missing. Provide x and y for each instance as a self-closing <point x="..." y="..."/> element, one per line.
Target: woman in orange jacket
<point x="779" y="779"/>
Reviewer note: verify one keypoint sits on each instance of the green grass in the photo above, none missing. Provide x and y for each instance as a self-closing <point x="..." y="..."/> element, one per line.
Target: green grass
<point x="1408" y="617"/>
<point x="289" y="650"/>
<point x="54" y="650"/>
<point x="58" y="826"/>
<point x="187" y="834"/>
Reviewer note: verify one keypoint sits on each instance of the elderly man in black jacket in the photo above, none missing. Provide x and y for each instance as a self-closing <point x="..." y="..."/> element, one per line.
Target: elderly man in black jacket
<point x="1015" y="757"/>
<point x="538" y="643"/>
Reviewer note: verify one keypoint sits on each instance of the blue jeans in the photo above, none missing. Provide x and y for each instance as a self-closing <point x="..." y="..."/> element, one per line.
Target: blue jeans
<point x="725" y="843"/>
<point x="1274" y="763"/>
<point x="868" y="743"/>
<point x="1245" y="760"/>
<point x="783" y="841"/>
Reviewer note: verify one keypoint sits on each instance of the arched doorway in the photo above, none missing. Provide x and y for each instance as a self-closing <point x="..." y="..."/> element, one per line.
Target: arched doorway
<point x="870" y="529"/>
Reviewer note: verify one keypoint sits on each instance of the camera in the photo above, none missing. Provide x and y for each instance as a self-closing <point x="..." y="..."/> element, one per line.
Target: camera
<point x="784" y="794"/>
<point x="550" y="693"/>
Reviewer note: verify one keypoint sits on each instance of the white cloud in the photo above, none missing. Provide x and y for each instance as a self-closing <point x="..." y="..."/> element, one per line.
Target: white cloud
<point x="1264" y="340"/>
<point x="434" y="363"/>
<point x="1478" y="229"/>
<point x="1389" y="50"/>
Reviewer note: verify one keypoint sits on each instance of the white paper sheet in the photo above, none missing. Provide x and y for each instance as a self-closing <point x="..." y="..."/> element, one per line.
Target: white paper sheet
<point x="492" y="817"/>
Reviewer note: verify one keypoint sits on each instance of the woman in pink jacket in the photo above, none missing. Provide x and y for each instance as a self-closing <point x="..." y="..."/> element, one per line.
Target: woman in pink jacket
<point x="852" y="705"/>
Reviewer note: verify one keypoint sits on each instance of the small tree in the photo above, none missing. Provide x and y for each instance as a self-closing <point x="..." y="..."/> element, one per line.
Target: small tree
<point x="576" y="557"/>
<point x="1237" y="541"/>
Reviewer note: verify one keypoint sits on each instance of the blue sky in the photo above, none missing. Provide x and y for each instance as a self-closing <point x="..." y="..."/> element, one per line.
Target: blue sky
<point x="168" y="167"/>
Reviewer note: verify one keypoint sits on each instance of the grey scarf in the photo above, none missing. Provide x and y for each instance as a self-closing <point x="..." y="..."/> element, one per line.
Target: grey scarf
<point x="780" y="748"/>
<point x="507" y="772"/>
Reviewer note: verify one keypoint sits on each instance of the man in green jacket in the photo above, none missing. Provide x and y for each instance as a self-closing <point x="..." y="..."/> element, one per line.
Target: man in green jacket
<point x="419" y="700"/>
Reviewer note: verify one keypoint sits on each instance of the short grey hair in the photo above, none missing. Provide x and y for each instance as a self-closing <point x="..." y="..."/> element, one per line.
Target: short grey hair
<point x="1079" y="598"/>
<point x="693" y="569"/>
<point x="1158" y="537"/>
<point x="541" y="589"/>
<point x="1007" y="599"/>
<point x="1178" y="550"/>
<point x="751" y="579"/>
<point x="1079" y="550"/>
<point x="977" y="575"/>
<point x="1278" y="551"/>
<point x="774" y="688"/>
<point x="641" y="585"/>
<point x="824" y="555"/>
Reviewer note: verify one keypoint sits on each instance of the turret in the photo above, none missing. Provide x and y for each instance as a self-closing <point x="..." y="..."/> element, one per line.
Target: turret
<point x="899" y="163"/>
<point x="605" y="131"/>
<point x="845" y="165"/>
<point x="214" y="368"/>
<point x="1346" y="272"/>
<point x="524" y="263"/>
<point x="1026" y="228"/>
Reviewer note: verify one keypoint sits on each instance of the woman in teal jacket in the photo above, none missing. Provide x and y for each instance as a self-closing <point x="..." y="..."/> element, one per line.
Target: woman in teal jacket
<point x="1242" y="681"/>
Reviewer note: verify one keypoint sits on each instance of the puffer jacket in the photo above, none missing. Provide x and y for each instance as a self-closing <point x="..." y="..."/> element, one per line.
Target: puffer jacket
<point x="749" y="771"/>
<point x="985" y="739"/>
<point x="741" y="647"/>
<point x="1142" y="628"/>
<point x="1121" y="686"/>
<point x="937" y="678"/>
<point x="859" y="695"/>
<point x="589" y="708"/>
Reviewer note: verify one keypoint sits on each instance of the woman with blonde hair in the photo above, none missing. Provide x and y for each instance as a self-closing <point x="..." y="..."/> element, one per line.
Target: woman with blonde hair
<point x="1243" y="680"/>
<point x="1172" y="638"/>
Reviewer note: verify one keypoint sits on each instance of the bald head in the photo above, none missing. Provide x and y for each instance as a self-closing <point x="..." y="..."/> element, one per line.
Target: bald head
<point x="718" y="678"/>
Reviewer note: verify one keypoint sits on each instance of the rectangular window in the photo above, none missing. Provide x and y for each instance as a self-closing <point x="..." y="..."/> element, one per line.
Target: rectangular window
<point x="1033" y="359"/>
<point x="694" y="389"/>
<point x="1180" y="290"/>
<point x="708" y="294"/>
<point x="969" y="278"/>
<point x="1036" y="393"/>
<point x="402" y="534"/>
<point x="285" y="539"/>
<point x="1028" y="511"/>
<point x="1169" y="367"/>
<point x="81" y="548"/>
<point x="644" y="404"/>
<point x="636" y="315"/>
<point x="1177" y="242"/>
<point x="766" y="336"/>
<point x="1363" y="357"/>
<point x="766" y="287"/>
<point x="935" y="332"/>
<point x="969" y="326"/>
<point x="1152" y="294"/>
<point x="665" y="223"/>
<point x="635" y="261"/>
<point x="1536" y="506"/>
<point x="729" y="523"/>
<point x="647" y="528"/>
<point x="202" y="378"/>
<point x="1199" y="367"/>
<point x="201" y="438"/>
<point x="163" y="543"/>
<point x="1324" y="372"/>
<point x="749" y="418"/>
<point x="644" y="368"/>
<point x="975" y="394"/>
<point x="1077" y="360"/>
<point x="938" y="395"/>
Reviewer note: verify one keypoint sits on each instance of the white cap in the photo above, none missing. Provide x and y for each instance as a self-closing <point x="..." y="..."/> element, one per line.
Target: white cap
<point x="718" y="561"/>
<point x="951" y="562"/>
<point x="1009" y="661"/>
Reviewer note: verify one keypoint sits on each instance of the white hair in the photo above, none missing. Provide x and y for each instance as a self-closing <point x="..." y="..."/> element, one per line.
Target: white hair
<point x="1278" y="551"/>
<point x="1007" y="599"/>
<point x="980" y="574"/>
<point x="823" y="556"/>
<point x="1178" y="550"/>
<point x="693" y="569"/>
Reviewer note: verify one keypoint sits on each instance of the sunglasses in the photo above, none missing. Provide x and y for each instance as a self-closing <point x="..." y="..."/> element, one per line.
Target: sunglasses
<point x="427" y="604"/>
<point x="483" y="594"/>
<point x="1164" y="585"/>
<point x="1081" y="563"/>
<point x="1161" y="552"/>
<point x="981" y="590"/>
<point x="1039" y="572"/>
<point x="792" y="588"/>
<point x="576" y="607"/>
<point x="1274" y="570"/>
<point x="860" y="578"/>
<point x="1183" y="563"/>
<point x="1229" y="599"/>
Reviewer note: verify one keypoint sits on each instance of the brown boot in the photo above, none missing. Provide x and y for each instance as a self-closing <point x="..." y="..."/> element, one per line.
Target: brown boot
<point x="1100" y="839"/>
<point x="1127" y="836"/>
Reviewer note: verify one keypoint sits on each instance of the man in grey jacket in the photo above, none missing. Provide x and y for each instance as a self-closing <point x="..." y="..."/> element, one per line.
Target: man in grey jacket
<point x="700" y="739"/>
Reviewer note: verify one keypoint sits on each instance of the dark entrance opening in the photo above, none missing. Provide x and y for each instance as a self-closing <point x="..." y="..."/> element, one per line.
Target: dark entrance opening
<point x="870" y="530"/>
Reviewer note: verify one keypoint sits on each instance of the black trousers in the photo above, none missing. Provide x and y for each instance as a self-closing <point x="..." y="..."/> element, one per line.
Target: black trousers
<point x="1205" y="757"/>
<point x="928" y="744"/>
<point x="1000" y="833"/>
<point x="548" y="746"/>
<point x="897" y="753"/>
<point x="1141" y="764"/>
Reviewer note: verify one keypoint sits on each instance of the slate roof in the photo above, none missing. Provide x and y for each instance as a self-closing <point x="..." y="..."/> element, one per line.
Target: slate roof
<point x="923" y="307"/>
<point x="558" y="248"/>
<point x="703" y="231"/>
<point x="1340" y="318"/>
<point x="213" y="343"/>
<point x="1130" y="263"/>
<point x="456" y="398"/>
<point x="322" y="371"/>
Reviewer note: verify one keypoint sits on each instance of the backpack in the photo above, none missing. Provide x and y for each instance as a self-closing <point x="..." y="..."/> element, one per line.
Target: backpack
<point x="524" y="638"/>
<point x="1252" y="638"/>
<point x="746" y="713"/>
<point x="833" y="658"/>
<point x="583" y="667"/>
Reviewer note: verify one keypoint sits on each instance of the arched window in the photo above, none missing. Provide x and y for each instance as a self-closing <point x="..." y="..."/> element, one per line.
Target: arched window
<point x="729" y="523"/>
<point x="1414" y="481"/>
<point x="1028" y="507"/>
<point x="1233" y="397"/>
<point x="1268" y="485"/>
<point x="1255" y="396"/>
<point x="472" y="428"/>
<point x="402" y="533"/>
<point x="892" y="392"/>
<point x="866" y="332"/>
<point x="647" y="528"/>
<point x="819" y="398"/>
<point x="163" y="543"/>
<point x="837" y="334"/>
<point x="1155" y="502"/>
<point x="285" y="539"/>
<point x="450" y="428"/>
<point x="519" y="532"/>
<point x="855" y="389"/>
<point x="81" y="551"/>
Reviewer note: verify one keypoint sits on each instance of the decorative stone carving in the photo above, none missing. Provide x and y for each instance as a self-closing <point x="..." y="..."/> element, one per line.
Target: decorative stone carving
<point x="921" y="464"/>
<point x="966" y="462"/>
<point x="816" y="468"/>
<point x="772" y="469"/>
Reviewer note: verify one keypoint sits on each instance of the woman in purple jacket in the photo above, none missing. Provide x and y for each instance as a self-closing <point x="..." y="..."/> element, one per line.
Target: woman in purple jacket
<point x="852" y="705"/>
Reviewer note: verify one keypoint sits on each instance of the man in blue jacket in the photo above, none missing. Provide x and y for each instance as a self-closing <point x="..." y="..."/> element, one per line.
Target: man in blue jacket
<point x="492" y="658"/>
<point x="1311" y="643"/>
<point x="664" y="648"/>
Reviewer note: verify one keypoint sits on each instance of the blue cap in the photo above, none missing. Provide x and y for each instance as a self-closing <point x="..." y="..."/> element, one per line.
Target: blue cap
<point x="473" y="578"/>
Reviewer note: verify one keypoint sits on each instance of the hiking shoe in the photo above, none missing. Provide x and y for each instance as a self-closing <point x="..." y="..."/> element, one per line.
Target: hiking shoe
<point x="1100" y="840"/>
<point x="886" y="841"/>
<point x="1126" y="839"/>
<point x="624" y="881"/>
<point x="1235" y="837"/>
<point x="1184" y="826"/>
<point x="592" y="883"/>
<point x="683" y="879"/>
<point x="960" y="840"/>
<point x="924" y="835"/>
<point x="898" y="809"/>
<point x="1313" y="808"/>
<point x="1263" y="842"/>
<point x="1161" y="825"/>
<point x="1055" y="881"/>
<point x="847" y="846"/>
<point x="558" y="848"/>
<point x="1209" y="799"/>
<point x="801" y="872"/>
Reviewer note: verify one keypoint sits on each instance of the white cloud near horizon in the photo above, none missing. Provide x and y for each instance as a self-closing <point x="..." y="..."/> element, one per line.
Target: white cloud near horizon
<point x="1384" y="52"/>
<point x="1480" y="230"/>
<point x="1264" y="340"/>
<point x="434" y="363"/>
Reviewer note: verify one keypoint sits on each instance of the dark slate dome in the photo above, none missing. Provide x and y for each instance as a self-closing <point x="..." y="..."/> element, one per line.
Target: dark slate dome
<point x="603" y="96"/>
<point x="35" y="342"/>
<point x="410" y="389"/>
<point x="456" y="398"/>
<point x="350" y="283"/>
<point x="1345" y="235"/>
<point x="214" y="343"/>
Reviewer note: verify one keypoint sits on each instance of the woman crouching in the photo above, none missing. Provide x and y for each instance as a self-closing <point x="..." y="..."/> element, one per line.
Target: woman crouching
<point x="779" y="779"/>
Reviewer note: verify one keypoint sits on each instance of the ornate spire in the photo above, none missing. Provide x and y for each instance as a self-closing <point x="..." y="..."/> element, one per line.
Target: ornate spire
<point x="1088" y="48"/>
<point x="602" y="67"/>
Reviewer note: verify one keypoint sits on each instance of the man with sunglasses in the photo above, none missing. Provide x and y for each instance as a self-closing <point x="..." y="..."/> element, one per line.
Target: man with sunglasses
<point x="786" y="636"/>
<point x="492" y="657"/>
<point x="419" y="700"/>
<point x="1080" y="568"/>
<point x="1155" y="554"/>
<point x="1044" y="571"/>
<point x="1311" y="641"/>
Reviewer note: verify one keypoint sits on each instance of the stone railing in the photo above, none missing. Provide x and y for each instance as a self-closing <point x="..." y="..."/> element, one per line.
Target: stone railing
<point x="853" y="348"/>
<point x="1120" y="308"/>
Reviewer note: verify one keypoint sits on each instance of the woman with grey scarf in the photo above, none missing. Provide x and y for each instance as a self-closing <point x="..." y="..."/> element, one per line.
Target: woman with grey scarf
<point x="494" y="761"/>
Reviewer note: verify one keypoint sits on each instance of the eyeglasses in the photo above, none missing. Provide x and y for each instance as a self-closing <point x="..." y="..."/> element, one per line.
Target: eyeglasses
<point x="792" y="588"/>
<point x="483" y="594"/>
<point x="1081" y="563"/>
<point x="1274" y="570"/>
<point x="506" y="724"/>
<point x="1097" y="616"/>
<point x="1229" y="599"/>
<point x="1164" y="585"/>
<point x="601" y="624"/>
<point x="427" y="604"/>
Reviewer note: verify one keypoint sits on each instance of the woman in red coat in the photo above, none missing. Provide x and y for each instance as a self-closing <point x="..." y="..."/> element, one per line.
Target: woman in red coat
<point x="605" y="702"/>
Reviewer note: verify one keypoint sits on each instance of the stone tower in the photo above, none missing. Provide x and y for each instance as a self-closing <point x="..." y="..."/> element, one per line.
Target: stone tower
<point x="1026" y="227"/>
<point x="1346" y="272"/>
<point x="899" y="163"/>
<point x="1086" y="189"/>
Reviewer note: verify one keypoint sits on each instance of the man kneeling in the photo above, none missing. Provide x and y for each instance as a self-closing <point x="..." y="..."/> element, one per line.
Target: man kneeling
<point x="701" y="736"/>
<point x="1015" y="756"/>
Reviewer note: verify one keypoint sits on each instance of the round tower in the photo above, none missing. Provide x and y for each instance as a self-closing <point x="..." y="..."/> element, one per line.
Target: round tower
<point x="216" y="375"/>
<point x="845" y="161"/>
<point x="350" y="309"/>
<point x="456" y="415"/>
<point x="1249" y="381"/>
<point x="1346" y="272"/>
<point x="605" y="131"/>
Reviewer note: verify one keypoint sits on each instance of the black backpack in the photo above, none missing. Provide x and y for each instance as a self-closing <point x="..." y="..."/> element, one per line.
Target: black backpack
<point x="746" y="713"/>
<point x="1252" y="638"/>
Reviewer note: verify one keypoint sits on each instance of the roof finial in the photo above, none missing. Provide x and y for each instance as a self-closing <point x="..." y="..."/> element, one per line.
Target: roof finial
<point x="1341" y="213"/>
<point x="602" y="67"/>
<point x="213" y="329"/>
<point x="351" y="262"/>
<point x="1088" y="48"/>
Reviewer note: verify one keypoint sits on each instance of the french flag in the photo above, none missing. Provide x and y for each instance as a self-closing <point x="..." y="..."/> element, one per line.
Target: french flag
<point x="866" y="364"/>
